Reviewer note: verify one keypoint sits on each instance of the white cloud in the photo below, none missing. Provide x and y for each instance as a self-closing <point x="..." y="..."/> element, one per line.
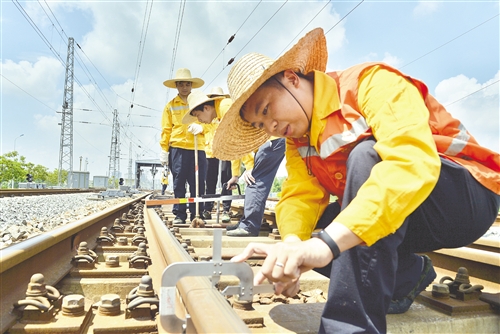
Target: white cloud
<point x="47" y="123"/>
<point x="425" y="8"/>
<point x="391" y="60"/>
<point x="41" y="79"/>
<point x="475" y="104"/>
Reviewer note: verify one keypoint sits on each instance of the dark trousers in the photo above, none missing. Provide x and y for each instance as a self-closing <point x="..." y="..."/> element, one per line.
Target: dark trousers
<point x="266" y="163"/>
<point x="212" y="178"/>
<point x="363" y="280"/>
<point x="182" y="167"/>
<point x="163" y="188"/>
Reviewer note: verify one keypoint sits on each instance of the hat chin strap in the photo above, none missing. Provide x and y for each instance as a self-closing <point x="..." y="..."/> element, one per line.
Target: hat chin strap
<point x="308" y="154"/>
<point x="307" y="117"/>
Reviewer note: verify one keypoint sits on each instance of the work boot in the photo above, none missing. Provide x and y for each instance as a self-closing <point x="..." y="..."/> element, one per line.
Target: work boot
<point x="178" y="220"/>
<point x="225" y="217"/>
<point x="232" y="227"/>
<point x="239" y="232"/>
<point x="428" y="275"/>
<point x="206" y="215"/>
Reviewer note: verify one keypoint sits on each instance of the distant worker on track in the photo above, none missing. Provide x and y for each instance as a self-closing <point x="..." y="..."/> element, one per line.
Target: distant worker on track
<point x="408" y="176"/>
<point x="164" y="180"/>
<point x="177" y="144"/>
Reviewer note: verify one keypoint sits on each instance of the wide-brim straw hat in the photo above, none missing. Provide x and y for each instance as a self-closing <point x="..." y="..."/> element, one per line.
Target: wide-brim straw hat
<point x="217" y="92"/>
<point x="235" y="137"/>
<point x="195" y="99"/>
<point x="184" y="74"/>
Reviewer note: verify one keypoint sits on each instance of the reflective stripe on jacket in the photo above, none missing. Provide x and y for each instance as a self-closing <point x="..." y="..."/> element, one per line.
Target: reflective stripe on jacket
<point x="174" y="133"/>
<point x="453" y="141"/>
<point x="385" y="200"/>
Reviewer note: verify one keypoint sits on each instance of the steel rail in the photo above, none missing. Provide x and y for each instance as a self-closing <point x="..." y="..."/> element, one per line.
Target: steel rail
<point x="50" y="254"/>
<point x="35" y="192"/>
<point x="208" y="309"/>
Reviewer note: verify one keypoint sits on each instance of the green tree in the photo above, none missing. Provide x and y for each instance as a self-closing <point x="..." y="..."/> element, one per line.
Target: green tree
<point x="53" y="177"/>
<point x="40" y="173"/>
<point x="11" y="168"/>
<point x="276" y="188"/>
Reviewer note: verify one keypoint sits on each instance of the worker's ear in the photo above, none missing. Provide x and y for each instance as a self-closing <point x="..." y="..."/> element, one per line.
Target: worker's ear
<point x="289" y="76"/>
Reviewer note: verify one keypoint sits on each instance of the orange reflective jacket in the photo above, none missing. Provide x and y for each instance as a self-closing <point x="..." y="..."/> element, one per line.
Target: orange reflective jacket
<point x="346" y="127"/>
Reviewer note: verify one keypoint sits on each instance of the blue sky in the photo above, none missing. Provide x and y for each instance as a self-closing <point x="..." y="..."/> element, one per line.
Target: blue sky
<point x="453" y="46"/>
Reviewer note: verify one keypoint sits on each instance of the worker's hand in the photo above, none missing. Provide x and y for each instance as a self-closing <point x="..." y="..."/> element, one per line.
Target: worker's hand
<point x="231" y="184"/>
<point x="286" y="261"/>
<point x="247" y="176"/>
<point x="195" y="128"/>
<point x="164" y="158"/>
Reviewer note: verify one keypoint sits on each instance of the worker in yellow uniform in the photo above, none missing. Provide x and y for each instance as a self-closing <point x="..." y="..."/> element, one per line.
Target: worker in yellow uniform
<point x="213" y="163"/>
<point x="408" y="176"/>
<point x="260" y="168"/>
<point x="177" y="144"/>
<point x="164" y="180"/>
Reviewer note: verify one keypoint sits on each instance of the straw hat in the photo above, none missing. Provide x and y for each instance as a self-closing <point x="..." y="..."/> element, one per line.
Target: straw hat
<point x="235" y="137"/>
<point x="195" y="99"/>
<point x="217" y="92"/>
<point x="183" y="74"/>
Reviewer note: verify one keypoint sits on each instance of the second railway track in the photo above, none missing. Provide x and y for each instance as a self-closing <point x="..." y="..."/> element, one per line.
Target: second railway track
<point x="113" y="294"/>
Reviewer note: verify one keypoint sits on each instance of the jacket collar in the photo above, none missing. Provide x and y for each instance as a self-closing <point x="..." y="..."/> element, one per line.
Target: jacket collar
<point x="326" y="102"/>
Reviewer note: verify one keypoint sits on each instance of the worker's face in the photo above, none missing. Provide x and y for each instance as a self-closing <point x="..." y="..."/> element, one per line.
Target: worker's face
<point x="275" y="110"/>
<point x="184" y="88"/>
<point x="206" y="115"/>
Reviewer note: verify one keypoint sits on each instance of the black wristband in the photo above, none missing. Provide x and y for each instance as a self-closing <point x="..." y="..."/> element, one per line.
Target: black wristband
<point x="323" y="235"/>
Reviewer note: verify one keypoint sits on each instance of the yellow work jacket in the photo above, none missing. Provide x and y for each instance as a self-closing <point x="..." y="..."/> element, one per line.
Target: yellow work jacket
<point x="411" y="129"/>
<point x="174" y="133"/>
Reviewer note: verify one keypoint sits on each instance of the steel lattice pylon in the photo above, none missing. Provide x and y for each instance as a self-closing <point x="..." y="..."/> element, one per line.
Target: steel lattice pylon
<point x="114" y="155"/>
<point x="66" y="143"/>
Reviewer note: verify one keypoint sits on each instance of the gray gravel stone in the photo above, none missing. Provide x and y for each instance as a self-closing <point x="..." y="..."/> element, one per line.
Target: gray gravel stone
<point x="25" y="217"/>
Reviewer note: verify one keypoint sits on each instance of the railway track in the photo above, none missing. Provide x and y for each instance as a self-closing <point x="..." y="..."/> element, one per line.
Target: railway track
<point x="81" y="279"/>
<point x="36" y="192"/>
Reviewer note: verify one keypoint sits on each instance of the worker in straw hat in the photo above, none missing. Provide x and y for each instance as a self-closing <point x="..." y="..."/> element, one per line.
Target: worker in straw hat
<point x="217" y="104"/>
<point x="260" y="168"/>
<point x="177" y="144"/>
<point x="408" y="177"/>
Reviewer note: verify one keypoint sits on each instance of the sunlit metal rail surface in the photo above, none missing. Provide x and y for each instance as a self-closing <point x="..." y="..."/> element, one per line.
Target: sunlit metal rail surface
<point x="112" y="295"/>
<point x="35" y="192"/>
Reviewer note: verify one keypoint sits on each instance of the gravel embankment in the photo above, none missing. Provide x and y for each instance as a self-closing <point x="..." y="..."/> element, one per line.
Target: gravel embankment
<point x="25" y="217"/>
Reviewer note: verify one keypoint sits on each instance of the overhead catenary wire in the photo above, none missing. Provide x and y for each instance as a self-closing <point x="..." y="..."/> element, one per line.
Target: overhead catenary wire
<point x="83" y="66"/>
<point x="233" y="36"/>
<point x="142" y="44"/>
<point x="180" y="16"/>
<point x="474" y="92"/>
<point x="346" y="15"/>
<point x="451" y="40"/>
<point x="322" y="8"/>
<point x="58" y="56"/>
<point x="232" y="59"/>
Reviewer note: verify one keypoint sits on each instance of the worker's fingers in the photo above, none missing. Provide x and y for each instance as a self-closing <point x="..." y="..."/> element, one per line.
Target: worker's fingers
<point x="251" y="249"/>
<point x="289" y="289"/>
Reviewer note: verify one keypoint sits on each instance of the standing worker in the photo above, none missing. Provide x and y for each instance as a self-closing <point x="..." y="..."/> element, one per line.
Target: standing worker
<point x="164" y="180"/>
<point x="408" y="176"/>
<point x="210" y="110"/>
<point x="213" y="163"/>
<point x="177" y="144"/>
